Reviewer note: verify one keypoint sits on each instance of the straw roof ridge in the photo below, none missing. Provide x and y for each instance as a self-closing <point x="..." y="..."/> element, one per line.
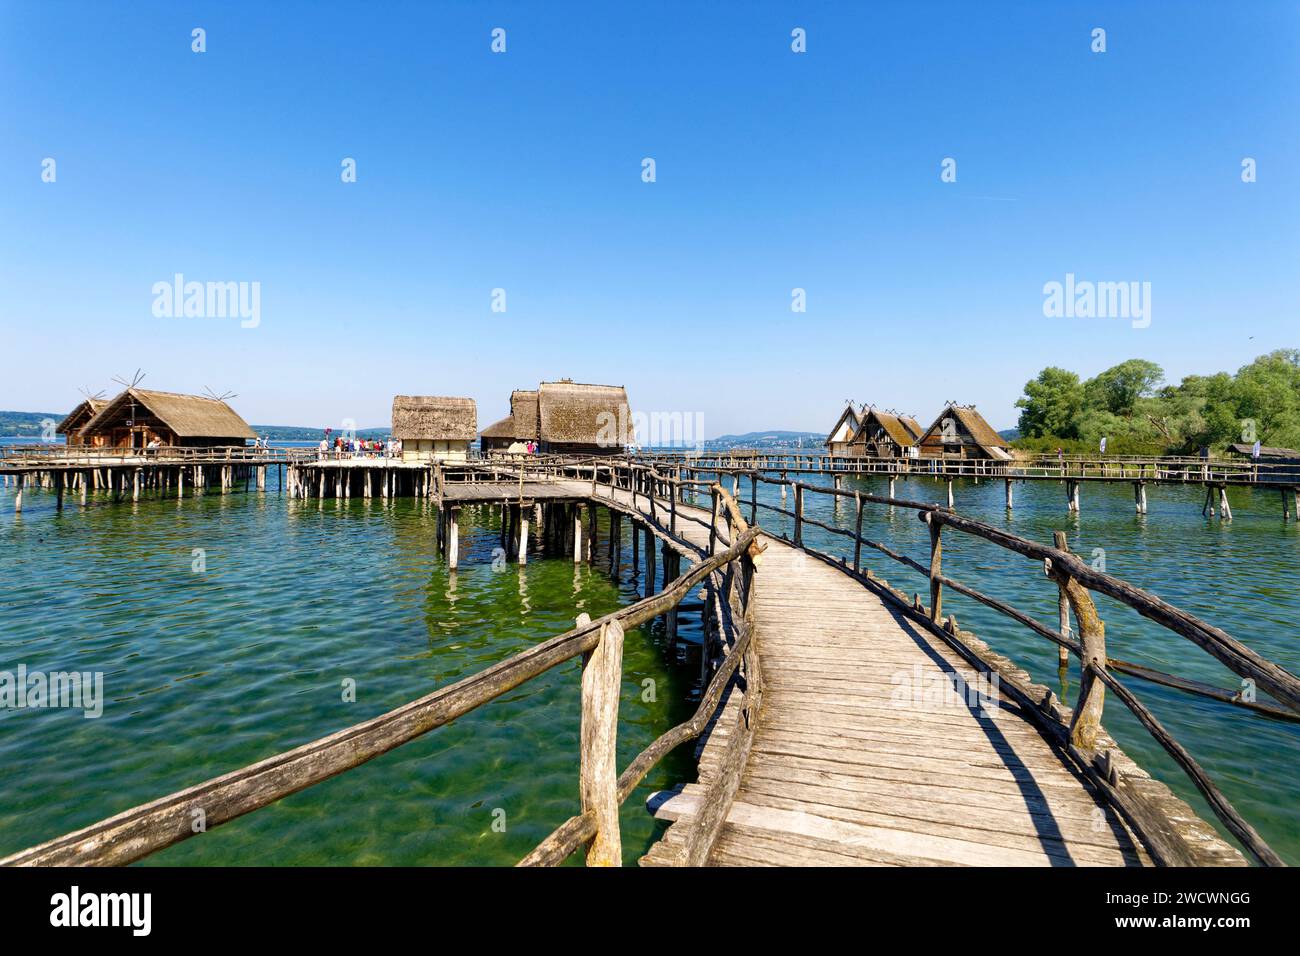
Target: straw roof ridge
<point x="972" y="422"/>
<point x="892" y="425"/>
<point x="580" y="413"/>
<point x="434" y="417"/>
<point x="189" y="416"/>
<point x="85" y="411"/>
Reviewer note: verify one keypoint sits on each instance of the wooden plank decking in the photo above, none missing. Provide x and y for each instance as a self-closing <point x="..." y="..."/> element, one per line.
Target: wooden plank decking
<point x="867" y="753"/>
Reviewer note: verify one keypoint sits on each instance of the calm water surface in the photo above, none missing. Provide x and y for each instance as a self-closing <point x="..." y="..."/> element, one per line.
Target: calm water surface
<point x="208" y="671"/>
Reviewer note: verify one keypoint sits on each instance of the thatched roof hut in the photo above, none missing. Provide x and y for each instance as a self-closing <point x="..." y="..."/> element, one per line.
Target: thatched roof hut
<point x="583" y="419"/>
<point x="434" y="418"/>
<point x="74" y="424"/>
<point x="521" y="425"/>
<point x="960" y="431"/>
<point x="139" y="415"/>
<point x="839" y="437"/>
<point x="884" y="434"/>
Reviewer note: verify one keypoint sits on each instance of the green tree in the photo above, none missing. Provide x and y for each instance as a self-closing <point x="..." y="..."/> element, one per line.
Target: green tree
<point x="1118" y="389"/>
<point x="1051" y="405"/>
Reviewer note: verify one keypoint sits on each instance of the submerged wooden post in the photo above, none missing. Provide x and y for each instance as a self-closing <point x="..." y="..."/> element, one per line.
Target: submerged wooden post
<point x="1010" y="498"/>
<point x="936" y="559"/>
<point x="649" y="562"/>
<point x="1225" y="509"/>
<point x="602" y="678"/>
<point x="950" y="498"/>
<point x="18" y="496"/>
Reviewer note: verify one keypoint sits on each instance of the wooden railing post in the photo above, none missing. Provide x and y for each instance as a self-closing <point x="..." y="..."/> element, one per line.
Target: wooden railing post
<point x="936" y="559"/>
<point x="798" y="514"/>
<point x="1062" y="606"/>
<point x="857" y="533"/>
<point x="713" y="523"/>
<point x="1092" y="639"/>
<point x="602" y="678"/>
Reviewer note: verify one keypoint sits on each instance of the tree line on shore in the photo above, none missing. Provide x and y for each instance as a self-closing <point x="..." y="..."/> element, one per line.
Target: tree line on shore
<point x="1138" y="413"/>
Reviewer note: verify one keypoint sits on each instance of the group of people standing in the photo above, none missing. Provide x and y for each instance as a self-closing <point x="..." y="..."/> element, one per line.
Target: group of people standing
<point x="361" y="447"/>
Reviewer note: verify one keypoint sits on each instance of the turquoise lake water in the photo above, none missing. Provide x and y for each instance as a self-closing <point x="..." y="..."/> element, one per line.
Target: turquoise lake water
<point x="206" y="671"/>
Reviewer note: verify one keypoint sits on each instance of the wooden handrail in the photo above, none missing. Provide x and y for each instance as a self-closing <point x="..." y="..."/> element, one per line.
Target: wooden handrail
<point x="1075" y="579"/>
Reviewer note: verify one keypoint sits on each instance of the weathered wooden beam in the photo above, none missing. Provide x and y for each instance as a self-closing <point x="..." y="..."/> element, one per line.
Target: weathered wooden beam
<point x="602" y="675"/>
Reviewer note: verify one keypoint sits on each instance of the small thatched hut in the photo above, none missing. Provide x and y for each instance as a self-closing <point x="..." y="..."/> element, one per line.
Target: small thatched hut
<point x="962" y="432"/>
<point x="512" y="433"/>
<point x="73" y="427"/>
<point x="138" y="417"/>
<point x="433" y="427"/>
<point x="882" y="434"/>
<point x="838" y="442"/>
<point x="576" y="419"/>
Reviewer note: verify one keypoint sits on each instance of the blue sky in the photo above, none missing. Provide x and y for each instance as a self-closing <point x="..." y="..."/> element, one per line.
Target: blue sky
<point x="522" y="171"/>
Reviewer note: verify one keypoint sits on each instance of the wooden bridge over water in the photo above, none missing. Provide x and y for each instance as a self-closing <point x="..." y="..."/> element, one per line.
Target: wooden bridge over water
<point x="841" y="722"/>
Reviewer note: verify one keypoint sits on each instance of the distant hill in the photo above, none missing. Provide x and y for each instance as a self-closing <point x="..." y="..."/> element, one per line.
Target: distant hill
<point x="26" y="424"/>
<point x="768" y="439"/>
<point x="1010" y="434"/>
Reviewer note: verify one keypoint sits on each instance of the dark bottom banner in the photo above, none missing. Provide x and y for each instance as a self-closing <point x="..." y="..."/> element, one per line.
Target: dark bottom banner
<point x="333" y="906"/>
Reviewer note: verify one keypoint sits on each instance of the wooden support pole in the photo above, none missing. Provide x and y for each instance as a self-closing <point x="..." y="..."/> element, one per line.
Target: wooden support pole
<point x="523" y="536"/>
<point x="602" y="677"/>
<point x="577" y="534"/>
<point x="453" y="538"/>
<point x="649" y="562"/>
<point x="753" y="499"/>
<point x="1225" y="509"/>
<point x="951" y="504"/>
<point x="135" y="484"/>
<point x="636" y="548"/>
<point x="18" y="495"/>
<point x="1010" y="497"/>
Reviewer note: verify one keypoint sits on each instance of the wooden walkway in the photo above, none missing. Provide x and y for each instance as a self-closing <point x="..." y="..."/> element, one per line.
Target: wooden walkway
<point x="869" y="753"/>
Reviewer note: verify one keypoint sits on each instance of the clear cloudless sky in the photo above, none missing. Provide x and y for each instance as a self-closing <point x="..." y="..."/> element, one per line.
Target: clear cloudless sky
<point x="522" y="171"/>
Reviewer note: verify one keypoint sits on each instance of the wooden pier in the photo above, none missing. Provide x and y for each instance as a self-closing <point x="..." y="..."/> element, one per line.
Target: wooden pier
<point x="841" y="721"/>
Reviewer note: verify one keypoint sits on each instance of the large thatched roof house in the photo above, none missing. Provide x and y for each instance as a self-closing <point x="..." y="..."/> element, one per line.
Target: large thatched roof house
<point x="578" y="419"/>
<point x="962" y="432"/>
<point x="434" y="427"/>
<point x="139" y="416"/>
<point x="882" y="434"/>
<point x="512" y="433"/>
<point x="837" y="441"/>
<point x="74" y="425"/>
